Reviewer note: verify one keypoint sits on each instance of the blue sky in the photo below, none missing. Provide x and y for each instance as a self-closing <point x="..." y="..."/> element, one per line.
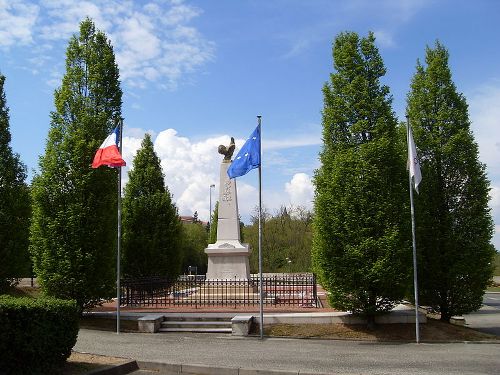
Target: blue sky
<point x="196" y="72"/>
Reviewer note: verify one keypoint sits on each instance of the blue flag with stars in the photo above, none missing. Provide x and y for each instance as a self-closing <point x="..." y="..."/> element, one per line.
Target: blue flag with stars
<point x="248" y="157"/>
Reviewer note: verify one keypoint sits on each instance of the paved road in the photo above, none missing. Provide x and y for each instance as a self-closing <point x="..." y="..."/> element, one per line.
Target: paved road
<point x="487" y="319"/>
<point x="327" y="356"/>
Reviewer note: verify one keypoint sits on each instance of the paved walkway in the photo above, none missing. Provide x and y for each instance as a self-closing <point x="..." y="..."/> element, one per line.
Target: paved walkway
<point x="487" y="319"/>
<point x="306" y="355"/>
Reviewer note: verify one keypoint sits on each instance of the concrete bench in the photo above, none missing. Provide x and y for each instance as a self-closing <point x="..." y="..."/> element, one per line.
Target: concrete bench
<point x="241" y="325"/>
<point x="150" y="323"/>
<point x="457" y="320"/>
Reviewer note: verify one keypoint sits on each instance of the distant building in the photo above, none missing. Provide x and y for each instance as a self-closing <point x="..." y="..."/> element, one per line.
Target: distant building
<point x="190" y="220"/>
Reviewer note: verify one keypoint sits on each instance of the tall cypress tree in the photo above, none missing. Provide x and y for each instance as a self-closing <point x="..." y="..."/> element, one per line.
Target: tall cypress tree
<point x="360" y="247"/>
<point x="15" y="208"/>
<point x="152" y="230"/>
<point x="212" y="237"/>
<point x="454" y="225"/>
<point x="73" y="234"/>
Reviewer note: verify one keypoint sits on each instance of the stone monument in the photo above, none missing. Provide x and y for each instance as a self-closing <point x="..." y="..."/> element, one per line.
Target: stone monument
<point x="228" y="257"/>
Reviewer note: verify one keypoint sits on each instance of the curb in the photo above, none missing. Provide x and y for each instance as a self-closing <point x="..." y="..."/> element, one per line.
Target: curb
<point x="172" y="368"/>
<point x="121" y="369"/>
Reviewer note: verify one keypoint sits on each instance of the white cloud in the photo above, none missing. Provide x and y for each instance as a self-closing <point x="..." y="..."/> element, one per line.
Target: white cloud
<point x="65" y="17"/>
<point x="289" y="142"/>
<point x="300" y="190"/>
<point x="495" y="211"/>
<point x="17" y="20"/>
<point x="384" y="38"/>
<point x="495" y="197"/>
<point x="485" y="115"/>
<point x="154" y="43"/>
<point x="190" y="167"/>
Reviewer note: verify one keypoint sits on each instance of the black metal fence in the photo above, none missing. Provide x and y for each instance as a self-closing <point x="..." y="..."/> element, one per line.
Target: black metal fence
<point x="294" y="290"/>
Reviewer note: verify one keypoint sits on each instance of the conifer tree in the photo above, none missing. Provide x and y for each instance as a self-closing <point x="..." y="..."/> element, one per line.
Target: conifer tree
<point x="212" y="238"/>
<point x="73" y="233"/>
<point x="194" y="240"/>
<point x="15" y="208"/>
<point x="360" y="246"/>
<point x="152" y="230"/>
<point x="453" y="221"/>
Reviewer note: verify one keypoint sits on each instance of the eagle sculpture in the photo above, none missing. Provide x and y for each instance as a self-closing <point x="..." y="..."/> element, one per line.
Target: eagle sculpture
<point x="227" y="151"/>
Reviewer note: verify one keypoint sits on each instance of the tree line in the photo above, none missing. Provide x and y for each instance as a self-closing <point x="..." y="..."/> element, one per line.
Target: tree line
<point x="362" y="236"/>
<point x="67" y="235"/>
<point x="357" y="239"/>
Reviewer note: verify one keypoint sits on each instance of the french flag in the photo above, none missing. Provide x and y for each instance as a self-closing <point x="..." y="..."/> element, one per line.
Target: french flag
<point x="108" y="154"/>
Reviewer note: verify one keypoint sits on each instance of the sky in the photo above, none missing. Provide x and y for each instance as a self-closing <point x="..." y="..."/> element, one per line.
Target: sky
<point x="196" y="72"/>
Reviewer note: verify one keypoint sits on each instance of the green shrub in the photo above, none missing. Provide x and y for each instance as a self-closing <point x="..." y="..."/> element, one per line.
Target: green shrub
<point x="37" y="334"/>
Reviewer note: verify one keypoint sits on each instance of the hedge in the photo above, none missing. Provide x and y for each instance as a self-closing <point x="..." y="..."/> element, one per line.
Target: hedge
<point x="36" y="335"/>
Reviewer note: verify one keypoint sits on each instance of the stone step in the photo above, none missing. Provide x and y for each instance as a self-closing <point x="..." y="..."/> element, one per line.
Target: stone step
<point x="199" y="330"/>
<point x="195" y="324"/>
<point x="217" y="319"/>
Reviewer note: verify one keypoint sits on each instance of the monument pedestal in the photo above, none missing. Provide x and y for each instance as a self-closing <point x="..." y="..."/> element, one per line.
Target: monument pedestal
<point x="228" y="260"/>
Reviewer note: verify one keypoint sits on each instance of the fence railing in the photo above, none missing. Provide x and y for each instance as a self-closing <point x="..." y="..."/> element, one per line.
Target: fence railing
<point x="294" y="290"/>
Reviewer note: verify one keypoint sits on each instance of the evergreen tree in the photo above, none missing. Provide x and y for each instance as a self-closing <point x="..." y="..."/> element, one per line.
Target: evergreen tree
<point x="73" y="233"/>
<point x="454" y="225"/>
<point x="286" y="235"/>
<point x="212" y="238"/>
<point x="194" y="244"/>
<point x="15" y="207"/>
<point x="360" y="247"/>
<point x="152" y="230"/>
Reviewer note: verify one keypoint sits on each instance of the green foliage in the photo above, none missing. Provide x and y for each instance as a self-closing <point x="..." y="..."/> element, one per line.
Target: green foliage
<point x="453" y="221"/>
<point x="213" y="224"/>
<point x="15" y="207"/>
<point x="73" y="232"/>
<point x="286" y="236"/>
<point x="37" y="334"/>
<point x="194" y="245"/>
<point x="360" y="248"/>
<point x="152" y="230"/>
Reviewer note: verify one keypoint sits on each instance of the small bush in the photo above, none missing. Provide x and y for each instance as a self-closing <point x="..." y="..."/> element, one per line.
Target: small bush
<point x="37" y="334"/>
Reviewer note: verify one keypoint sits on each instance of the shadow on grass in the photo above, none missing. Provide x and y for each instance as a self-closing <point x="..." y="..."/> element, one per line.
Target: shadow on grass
<point x="108" y="324"/>
<point x="432" y="331"/>
<point x="23" y="291"/>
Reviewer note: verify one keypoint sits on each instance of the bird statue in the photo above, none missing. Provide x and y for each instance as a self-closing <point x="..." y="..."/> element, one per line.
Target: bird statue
<point x="227" y="151"/>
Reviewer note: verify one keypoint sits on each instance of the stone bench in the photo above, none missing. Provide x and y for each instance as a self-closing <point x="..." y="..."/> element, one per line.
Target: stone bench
<point x="241" y="325"/>
<point x="150" y="323"/>
<point x="457" y="320"/>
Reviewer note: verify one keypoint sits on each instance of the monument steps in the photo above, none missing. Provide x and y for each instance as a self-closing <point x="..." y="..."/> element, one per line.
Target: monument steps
<point x="197" y="324"/>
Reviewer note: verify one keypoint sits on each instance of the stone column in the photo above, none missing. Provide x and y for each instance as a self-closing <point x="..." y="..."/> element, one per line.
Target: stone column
<point x="228" y="257"/>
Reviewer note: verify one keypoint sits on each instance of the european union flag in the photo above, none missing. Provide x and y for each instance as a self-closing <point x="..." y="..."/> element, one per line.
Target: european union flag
<point x="248" y="157"/>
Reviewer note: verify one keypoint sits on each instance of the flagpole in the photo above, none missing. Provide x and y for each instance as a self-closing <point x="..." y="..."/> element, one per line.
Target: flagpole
<point x="119" y="235"/>
<point x="415" y="282"/>
<point x="261" y="309"/>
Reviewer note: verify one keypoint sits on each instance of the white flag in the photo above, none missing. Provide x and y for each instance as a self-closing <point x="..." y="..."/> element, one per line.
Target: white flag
<point x="413" y="162"/>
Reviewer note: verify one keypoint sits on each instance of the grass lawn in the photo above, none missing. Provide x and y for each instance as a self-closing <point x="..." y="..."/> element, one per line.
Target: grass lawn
<point x="432" y="331"/>
<point x="105" y="324"/>
<point x="24" y="291"/>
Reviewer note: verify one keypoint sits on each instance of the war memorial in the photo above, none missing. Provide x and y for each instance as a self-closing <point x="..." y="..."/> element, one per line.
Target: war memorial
<point x="228" y="257"/>
<point x="228" y="281"/>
